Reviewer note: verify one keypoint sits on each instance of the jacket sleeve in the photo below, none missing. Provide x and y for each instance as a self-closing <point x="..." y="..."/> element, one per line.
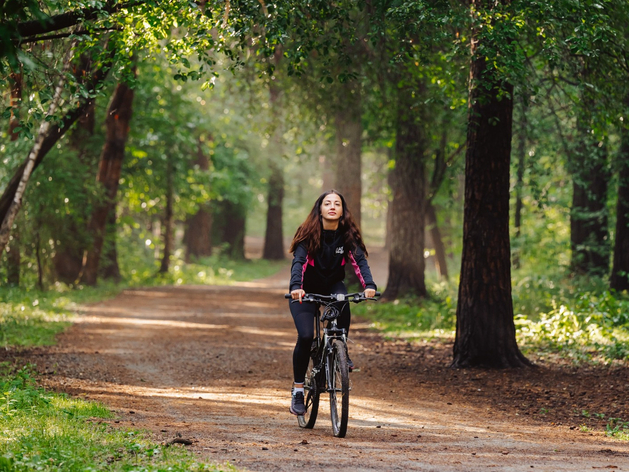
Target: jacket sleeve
<point x="361" y="268"/>
<point x="298" y="268"/>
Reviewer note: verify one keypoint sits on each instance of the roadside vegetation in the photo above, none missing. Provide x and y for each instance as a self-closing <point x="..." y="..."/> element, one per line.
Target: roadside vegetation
<point x="41" y="430"/>
<point x="577" y="320"/>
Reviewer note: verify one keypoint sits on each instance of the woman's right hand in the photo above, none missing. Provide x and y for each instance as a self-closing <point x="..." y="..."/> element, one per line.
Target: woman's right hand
<point x="297" y="294"/>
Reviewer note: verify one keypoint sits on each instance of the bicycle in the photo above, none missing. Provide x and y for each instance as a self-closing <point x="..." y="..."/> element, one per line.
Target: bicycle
<point x="328" y="369"/>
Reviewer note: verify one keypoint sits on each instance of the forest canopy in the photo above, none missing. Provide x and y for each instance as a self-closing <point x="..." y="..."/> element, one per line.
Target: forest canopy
<point x="482" y="145"/>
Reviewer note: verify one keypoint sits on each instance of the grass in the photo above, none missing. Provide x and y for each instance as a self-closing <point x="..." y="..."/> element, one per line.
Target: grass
<point x="40" y="430"/>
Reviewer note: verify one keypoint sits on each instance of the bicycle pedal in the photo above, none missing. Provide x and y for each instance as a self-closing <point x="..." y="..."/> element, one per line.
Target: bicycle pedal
<point x="355" y="369"/>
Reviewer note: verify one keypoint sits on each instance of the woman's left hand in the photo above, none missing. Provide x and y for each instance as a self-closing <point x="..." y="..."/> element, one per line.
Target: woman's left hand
<point x="370" y="293"/>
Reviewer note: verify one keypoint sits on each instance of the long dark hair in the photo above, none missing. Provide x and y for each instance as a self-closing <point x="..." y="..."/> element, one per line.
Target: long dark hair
<point x="309" y="232"/>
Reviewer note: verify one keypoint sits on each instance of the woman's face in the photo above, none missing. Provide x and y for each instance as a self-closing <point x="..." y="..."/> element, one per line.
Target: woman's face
<point x="332" y="207"/>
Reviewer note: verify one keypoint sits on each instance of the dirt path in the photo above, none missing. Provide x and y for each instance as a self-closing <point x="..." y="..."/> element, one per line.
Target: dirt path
<point x="213" y="364"/>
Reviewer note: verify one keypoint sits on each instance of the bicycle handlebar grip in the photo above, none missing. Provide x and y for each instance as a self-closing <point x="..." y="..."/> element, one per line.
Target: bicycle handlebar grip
<point x="287" y="295"/>
<point x="378" y="294"/>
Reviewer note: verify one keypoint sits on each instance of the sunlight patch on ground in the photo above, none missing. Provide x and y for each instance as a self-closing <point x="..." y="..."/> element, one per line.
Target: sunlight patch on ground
<point x="140" y="321"/>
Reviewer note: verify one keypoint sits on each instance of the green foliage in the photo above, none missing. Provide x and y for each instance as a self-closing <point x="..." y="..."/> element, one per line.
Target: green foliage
<point x="45" y="431"/>
<point x="583" y="325"/>
<point x="617" y="428"/>
<point x="415" y="318"/>
<point x="577" y="319"/>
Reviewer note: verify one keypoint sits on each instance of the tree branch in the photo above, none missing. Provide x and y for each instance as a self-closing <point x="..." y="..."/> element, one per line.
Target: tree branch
<point x="63" y="35"/>
<point x="61" y="21"/>
<point x="55" y="133"/>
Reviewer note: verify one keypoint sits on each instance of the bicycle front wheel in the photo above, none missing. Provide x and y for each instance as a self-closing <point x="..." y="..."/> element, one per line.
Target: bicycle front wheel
<point x="312" y="391"/>
<point x="338" y="386"/>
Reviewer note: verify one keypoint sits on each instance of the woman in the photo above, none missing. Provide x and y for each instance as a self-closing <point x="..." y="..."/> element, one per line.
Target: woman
<point x="323" y="244"/>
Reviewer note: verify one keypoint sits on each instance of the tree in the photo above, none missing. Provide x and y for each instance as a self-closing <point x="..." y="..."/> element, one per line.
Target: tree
<point x="198" y="235"/>
<point x="274" y="235"/>
<point x="408" y="207"/>
<point x="29" y="165"/>
<point x="485" y="331"/>
<point x="109" y="170"/>
<point x="619" y="279"/>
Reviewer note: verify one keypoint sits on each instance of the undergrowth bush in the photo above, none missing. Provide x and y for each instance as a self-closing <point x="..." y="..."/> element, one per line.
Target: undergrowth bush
<point x="575" y="318"/>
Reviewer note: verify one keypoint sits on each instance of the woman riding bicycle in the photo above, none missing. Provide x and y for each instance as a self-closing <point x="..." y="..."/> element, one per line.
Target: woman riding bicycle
<point x="326" y="241"/>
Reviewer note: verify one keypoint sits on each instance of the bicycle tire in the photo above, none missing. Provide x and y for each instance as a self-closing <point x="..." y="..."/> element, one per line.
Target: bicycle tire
<point x="338" y="386"/>
<point x="312" y="392"/>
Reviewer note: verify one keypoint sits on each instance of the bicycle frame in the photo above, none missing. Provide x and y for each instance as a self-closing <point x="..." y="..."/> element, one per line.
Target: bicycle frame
<point x="330" y="333"/>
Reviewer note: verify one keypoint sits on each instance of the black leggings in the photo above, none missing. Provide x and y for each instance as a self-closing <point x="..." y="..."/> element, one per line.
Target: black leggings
<point x="304" y="316"/>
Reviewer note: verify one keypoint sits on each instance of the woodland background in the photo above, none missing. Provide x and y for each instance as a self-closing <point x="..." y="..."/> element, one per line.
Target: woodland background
<point x="482" y="144"/>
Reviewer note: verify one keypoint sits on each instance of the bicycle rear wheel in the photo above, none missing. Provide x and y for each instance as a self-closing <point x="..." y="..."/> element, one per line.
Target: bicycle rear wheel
<point x="312" y="391"/>
<point x="338" y="386"/>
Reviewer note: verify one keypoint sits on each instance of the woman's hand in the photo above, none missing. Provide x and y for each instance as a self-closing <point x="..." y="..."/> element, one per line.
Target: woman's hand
<point x="299" y="294"/>
<point x="370" y="293"/>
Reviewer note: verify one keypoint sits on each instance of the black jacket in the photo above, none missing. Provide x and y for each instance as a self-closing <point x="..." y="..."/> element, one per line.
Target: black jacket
<point x="316" y="273"/>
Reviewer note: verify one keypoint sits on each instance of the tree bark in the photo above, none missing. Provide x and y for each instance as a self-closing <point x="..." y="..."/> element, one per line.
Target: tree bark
<point x="519" y="185"/>
<point x="14" y="260"/>
<point x="485" y="331"/>
<point x="349" y="131"/>
<point x="408" y="186"/>
<point x="117" y="123"/>
<point x="111" y="269"/>
<point x="589" y="239"/>
<point x="437" y="240"/>
<point x="273" y="238"/>
<point x="619" y="279"/>
<point x="168" y="219"/>
<point x="13" y="251"/>
<point x="14" y="206"/>
<point x="274" y="235"/>
<point x="198" y="237"/>
<point x="234" y="229"/>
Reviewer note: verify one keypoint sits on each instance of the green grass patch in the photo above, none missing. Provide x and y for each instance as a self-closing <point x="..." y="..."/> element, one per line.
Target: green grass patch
<point x="40" y="430"/>
<point x="35" y="317"/>
<point x="414" y="318"/>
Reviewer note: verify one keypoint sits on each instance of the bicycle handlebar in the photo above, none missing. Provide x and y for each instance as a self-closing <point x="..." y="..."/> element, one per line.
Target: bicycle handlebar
<point x="355" y="297"/>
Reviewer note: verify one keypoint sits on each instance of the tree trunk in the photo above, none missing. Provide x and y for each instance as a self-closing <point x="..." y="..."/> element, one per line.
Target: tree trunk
<point x="485" y="331"/>
<point x="619" y="279"/>
<point x="435" y="233"/>
<point x="349" y="133"/>
<point x="117" y="122"/>
<point x="168" y="219"/>
<point x="111" y="269"/>
<point x="519" y="185"/>
<point x="234" y="229"/>
<point x="198" y="237"/>
<point x="14" y="260"/>
<point x="408" y="186"/>
<point x="589" y="239"/>
<point x="273" y="238"/>
<point x="274" y="235"/>
<point x="13" y="251"/>
<point x="29" y="165"/>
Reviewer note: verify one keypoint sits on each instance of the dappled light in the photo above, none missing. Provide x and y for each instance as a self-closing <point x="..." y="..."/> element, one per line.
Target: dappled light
<point x="173" y="171"/>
